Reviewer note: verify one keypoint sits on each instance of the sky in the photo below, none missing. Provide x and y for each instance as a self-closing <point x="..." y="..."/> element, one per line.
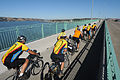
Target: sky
<point x="60" y="9"/>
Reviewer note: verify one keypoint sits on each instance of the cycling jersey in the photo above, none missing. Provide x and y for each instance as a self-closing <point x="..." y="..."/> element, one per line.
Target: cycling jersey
<point x="61" y="34"/>
<point x="76" y="28"/>
<point x="60" y="45"/>
<point x="77" y="33"/>
<point x="84" y="27"/>
<point x="88" y="28"/>
<point x="14" y="52"/>
<point x="93" y="26"/>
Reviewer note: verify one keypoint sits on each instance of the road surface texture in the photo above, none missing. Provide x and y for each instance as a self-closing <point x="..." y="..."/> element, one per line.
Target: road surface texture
<point x="45" y="52"/>
<point x="114" y="29"/>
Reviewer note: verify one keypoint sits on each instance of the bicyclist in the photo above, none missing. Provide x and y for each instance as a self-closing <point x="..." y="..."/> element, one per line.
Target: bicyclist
<point x="84" y="29"/>
<point x="76" y="37"/>
<point x="89" y="30"/>
<point x="11" y="58"/>
<point x="77" y="27"/>
<point x="61" y="34"/>
<point x="59" y="50"/>
<point x="94" y="27"/>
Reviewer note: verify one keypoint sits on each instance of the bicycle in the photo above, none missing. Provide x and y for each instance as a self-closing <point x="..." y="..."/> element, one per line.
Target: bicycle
<point x="66" y="60"/>
<point x="35" y="66"/>
<point x="51" y="71"/>
<point x="84" y="35"/>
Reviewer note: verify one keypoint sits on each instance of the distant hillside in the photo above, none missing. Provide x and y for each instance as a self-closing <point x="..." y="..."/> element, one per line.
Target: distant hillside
<point x="19" y="19"/>
<point x="42" y="20"/>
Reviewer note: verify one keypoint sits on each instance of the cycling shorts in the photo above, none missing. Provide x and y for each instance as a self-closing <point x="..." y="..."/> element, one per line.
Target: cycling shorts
<point x="59" y="57"/>
<point x="93" y="29"/>
<point x="76" y="39"/>
<point x="15" y="64"/>
<point x="88" y="32"/>
<point x="84" y="30"/>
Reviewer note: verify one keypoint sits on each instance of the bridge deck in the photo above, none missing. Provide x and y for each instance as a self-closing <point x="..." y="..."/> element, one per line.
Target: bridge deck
<point x="45" y="52"/>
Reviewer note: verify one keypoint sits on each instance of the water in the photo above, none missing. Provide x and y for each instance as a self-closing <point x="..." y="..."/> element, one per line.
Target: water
<point x="17" y="23"/>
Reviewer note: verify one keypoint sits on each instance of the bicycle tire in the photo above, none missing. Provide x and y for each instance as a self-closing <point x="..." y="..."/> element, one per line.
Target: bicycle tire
<point x="66" y="61"/>
<point x="15" y="78"/>
<point x="37" y="67"/>
<point x="46" y="75"/>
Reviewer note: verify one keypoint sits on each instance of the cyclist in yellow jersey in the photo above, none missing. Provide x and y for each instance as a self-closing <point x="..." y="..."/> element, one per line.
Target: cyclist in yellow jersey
<point x="11" y="58"/>
<point x="84" y="29"/>
<point x="77" y="35"/>
<point x="89" y="30"/>
<point x="61" y="34"/>
<point x="58" y="52"/>
<point x="94" y="27"/>
<point x="77" y="27"/>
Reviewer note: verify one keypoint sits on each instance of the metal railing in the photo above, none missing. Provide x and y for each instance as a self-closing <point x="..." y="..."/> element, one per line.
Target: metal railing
<point x="113" y="71"/>
<point x="8" y="35"/>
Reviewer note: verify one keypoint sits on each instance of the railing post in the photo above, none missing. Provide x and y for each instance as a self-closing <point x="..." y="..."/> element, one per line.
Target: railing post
<point x="42" y="31"/>
<point x="17" y="31"/>
<point x="65" y="26"/>
<point x="56" y="28"/>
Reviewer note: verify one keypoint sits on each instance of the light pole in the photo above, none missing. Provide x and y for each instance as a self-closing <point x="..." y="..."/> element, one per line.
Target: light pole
<point x="92" y="10"/>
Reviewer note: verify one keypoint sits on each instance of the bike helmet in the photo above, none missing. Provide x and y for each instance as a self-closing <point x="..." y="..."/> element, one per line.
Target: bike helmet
<point x="63" y="30"/>
<point x="21" y="38"/>
<point x="77" y="25"/>
<point x="85" y="25"/>
<point x="89" y="24"/>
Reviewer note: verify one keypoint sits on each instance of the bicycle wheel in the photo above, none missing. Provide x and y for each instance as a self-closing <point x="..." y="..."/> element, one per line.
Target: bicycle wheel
<point x="45" y="74"/>
<point x="66" y="61"/>
<point x="15" y="77"/>
<point x="37" y="67"/>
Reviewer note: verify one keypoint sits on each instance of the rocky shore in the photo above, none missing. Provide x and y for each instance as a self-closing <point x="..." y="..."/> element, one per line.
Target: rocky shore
<point x="19" y="19"/>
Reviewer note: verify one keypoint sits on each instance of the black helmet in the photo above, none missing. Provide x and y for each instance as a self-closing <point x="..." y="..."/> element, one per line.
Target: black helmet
<point x="89" y="24"/>
<point x="77" y="25"/>
<point x="85" y="25"/>
<point x="21" y="38"/>
<point x="63" y="30"/>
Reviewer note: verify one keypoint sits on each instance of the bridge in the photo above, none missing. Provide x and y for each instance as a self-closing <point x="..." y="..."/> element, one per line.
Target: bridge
<point x="98" y="59"/>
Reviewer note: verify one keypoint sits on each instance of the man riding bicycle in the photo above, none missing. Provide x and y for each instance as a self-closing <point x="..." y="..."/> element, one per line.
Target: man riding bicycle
<point x="89" y="30"/>
<point x="11" y="58"/>
<point x="77" y="27"/>
<point x="77" y="35"/>
<point x="94" y="27"/>
<point x="84" y="29"/>
<point x="59" y="50"/>
<point x="61" y="34"/>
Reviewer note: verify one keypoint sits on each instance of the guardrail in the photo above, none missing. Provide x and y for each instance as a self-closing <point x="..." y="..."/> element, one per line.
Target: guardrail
<point x="113" y="71"/>
<point x="8" y="35"/>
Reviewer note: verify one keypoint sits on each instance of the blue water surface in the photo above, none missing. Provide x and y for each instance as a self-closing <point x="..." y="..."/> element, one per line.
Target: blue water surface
<point x="17" y="23"/>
